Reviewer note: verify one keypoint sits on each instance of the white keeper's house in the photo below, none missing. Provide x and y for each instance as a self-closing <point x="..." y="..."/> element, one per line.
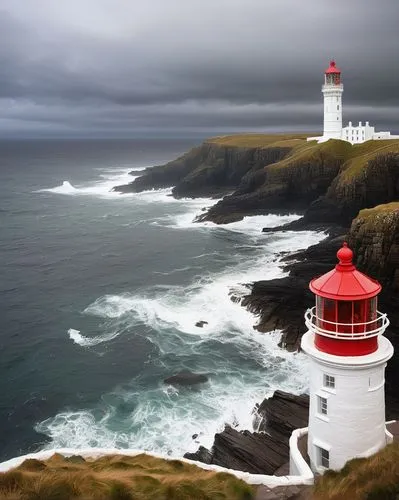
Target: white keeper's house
<point x="332" y="90"/>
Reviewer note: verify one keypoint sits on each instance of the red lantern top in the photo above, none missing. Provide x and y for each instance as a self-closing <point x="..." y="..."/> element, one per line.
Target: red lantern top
<point x="332" y="68"/>
<point x="345" y="282"/>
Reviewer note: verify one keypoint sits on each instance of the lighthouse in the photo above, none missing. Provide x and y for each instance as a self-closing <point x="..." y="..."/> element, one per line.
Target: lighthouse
<point x="348" y="355"/>
<point x="332" y="90"/>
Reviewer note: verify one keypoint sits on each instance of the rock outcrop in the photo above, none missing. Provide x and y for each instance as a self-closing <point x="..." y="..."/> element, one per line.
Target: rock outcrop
<point x="374" y="238"/>
<point x="369" y="178"/>
<point x="289" y="184"/>
<point x="212" y="169"/>
<point x="280" y="303"/>
<point x="186" y="378"/>
<point x="266" y="450"/>
<point x="259" y="174"/>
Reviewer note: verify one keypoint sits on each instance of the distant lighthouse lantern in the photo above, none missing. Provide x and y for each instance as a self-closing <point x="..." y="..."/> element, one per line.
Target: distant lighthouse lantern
<point x="333" y="74"/>
<point x="345" y="320"/>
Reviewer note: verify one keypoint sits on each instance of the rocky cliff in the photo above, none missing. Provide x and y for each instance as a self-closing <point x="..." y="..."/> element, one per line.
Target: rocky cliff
<point x="374" y="237"/>
<point x="215" y="167"/>
<point x="292" y="183"/>
<point x="369" y="177"/>
<point x="257" y="174"/>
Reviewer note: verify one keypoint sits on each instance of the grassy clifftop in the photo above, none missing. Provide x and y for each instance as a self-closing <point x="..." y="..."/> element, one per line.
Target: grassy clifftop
<point x="374" y="478"/>
<point x="258" y="140"/>
<point x="118" y="477"/>
<point x="362" y="154"/>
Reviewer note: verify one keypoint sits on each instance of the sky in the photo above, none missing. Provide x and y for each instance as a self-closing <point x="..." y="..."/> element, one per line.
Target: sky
<point x="126" y="68"/>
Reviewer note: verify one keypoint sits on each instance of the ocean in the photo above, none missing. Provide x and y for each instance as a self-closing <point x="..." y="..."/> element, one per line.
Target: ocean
<point x="100" y="295"/>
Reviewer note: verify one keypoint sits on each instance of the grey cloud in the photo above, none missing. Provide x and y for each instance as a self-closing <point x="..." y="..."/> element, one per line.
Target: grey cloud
<point x="118" y="65"/>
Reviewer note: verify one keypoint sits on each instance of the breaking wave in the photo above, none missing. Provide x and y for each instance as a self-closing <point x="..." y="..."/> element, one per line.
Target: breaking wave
<point x="243" y="365"/>
<point x="79" y="339"/>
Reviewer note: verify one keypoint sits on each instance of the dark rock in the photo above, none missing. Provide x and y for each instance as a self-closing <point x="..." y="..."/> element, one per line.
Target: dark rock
<point x="186" y="378"/>
<point x="281" y="303"/>
<point x="285" y="183"/>
<point x="259" y="452"/>
<point x="201" y="455"/>
<point x="194" y="436"/>
<point x="374" y="238"/>
<point x="201" y="323"/>
<point x="356" y="188"/>
<point x="282" y="413"/>
<point x="211" y="169"/>
<point x="164" y="175"/>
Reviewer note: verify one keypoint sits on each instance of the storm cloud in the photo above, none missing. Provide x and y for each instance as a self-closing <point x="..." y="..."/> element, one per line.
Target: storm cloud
<point x="179" y="67"/>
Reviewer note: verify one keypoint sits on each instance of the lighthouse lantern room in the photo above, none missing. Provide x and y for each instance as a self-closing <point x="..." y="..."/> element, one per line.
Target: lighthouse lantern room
<point x="348" y="355"/>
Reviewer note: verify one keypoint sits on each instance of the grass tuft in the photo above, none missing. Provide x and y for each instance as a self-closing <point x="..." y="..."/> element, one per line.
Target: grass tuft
<point x="373" y="478"/>
<point x="118" y="477"/>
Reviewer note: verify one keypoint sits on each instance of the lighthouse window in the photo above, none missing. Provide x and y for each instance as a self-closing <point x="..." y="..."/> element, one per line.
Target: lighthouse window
<point x="322" y="405"/>
<point x="337" y="107"/>
<point x="324" y="458"/>
<point x="329" y="381"/>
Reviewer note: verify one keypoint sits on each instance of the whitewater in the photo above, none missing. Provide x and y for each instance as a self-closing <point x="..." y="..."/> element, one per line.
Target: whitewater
<point x="243" y="365"/>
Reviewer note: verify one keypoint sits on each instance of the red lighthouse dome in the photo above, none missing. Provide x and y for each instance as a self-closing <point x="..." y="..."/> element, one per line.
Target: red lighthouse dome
<point x="345" y="320"/>
<point x="332" y="74"/>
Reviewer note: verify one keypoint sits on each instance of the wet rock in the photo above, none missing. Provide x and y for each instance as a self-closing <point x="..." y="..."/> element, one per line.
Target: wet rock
<point x="259" y="452"/>
<point x="201" y="323"/>
<point x="201" y="455"/>
<point x="186" y="378"/>
<point x="281" y="303"/>
<point x="283" y="413"/>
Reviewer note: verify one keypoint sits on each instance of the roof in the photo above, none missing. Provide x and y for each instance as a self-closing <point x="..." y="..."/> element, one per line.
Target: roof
<point x="332" y="68"/>
<point x="345" y="282"/>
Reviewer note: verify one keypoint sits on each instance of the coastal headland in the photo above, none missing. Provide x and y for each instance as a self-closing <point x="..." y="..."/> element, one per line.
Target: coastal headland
<point x="351" y="192"/>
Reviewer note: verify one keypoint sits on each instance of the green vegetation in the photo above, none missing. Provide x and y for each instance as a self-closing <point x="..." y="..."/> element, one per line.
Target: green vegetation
<point x="373" y="478"/>
<point x="259" y="140"/>
<point x="385" y="209"/>
<point x="356" y="156"/>
<point x="118" y="477"/>
<point x="313" y="153"/>
<point x="361" y="154"/>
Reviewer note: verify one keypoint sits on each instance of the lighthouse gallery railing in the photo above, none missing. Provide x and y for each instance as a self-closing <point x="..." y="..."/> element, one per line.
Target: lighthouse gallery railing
<point x="380" y="323"/>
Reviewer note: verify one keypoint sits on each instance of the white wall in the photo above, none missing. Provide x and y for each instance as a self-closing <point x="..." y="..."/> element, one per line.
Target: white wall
<point x="357" y="134"/>
<point x="355" y="421"/>
<point x="332" y="124"/>
<point x="270" y="481"/>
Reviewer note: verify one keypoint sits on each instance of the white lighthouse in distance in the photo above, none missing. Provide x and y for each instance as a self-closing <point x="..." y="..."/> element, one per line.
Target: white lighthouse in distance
<point x="332" y="90"/>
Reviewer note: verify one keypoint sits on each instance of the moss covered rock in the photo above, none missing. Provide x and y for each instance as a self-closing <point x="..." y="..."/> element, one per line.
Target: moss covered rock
<point x="374" y="237"/>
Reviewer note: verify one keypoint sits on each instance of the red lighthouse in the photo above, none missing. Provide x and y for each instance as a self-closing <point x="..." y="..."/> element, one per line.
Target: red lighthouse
<point x="345" y="319"/>
<point x="347" y="358"/>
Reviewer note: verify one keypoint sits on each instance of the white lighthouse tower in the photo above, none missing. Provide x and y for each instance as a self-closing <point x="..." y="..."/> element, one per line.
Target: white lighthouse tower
<point x="348" y="355"/>
<point x="332" y="91"/>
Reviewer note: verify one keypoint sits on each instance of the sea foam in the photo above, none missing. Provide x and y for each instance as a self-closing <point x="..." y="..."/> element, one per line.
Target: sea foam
<point x="83" y="341"/>
<point x="244" y="365"/>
